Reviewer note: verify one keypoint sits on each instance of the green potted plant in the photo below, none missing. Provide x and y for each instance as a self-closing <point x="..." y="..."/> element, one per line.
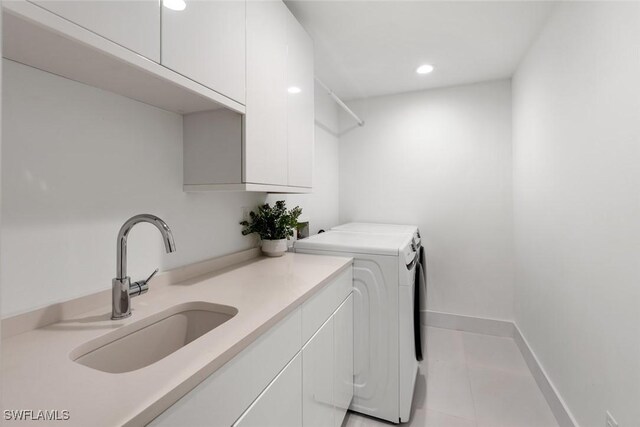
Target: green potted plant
<point x="274" y="225"/>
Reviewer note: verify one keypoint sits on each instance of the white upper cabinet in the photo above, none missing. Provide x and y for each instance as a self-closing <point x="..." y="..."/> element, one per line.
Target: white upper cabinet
<point x="300" y="107"/>
<point x="274" y="139"/>
<point x="280" y="112"/>
<point x="134" y="24"/>
<point x="206" y="42"/>
<point x="265" y="139"/>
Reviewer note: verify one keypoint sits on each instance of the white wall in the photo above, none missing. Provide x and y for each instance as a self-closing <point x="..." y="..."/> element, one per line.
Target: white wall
<point x="577" y="206"/>
<point x="76" y="163"/>
<point x="440" y="159"/>
<point x="321" y="207"/>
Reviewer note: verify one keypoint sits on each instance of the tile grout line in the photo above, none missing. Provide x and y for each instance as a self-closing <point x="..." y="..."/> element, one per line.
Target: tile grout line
<point x="466" y="369"/>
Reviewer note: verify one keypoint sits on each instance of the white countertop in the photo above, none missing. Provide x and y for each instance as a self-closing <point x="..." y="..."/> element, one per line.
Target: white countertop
<point x="38" y="374"/>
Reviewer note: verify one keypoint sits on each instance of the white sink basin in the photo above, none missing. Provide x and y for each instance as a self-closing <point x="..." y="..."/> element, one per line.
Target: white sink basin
<point x="145" y="342"/>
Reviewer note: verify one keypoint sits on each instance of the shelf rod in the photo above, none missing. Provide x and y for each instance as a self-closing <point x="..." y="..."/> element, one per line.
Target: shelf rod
<point x="340" y="103"/>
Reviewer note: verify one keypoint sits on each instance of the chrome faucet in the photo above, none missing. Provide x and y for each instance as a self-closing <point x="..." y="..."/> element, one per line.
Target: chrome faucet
<point x="123" y="289"/>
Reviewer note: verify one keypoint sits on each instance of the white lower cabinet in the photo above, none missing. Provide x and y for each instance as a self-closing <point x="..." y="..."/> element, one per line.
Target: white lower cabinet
<point x="343" y="359"/>
<point x="298" y="373"/>
<point x="222" y="398"/>
<point x="280" y="405"/>
<point x="317" y="378"/>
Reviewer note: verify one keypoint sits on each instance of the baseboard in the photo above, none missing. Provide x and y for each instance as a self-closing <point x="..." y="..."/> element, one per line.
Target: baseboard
<point x="555" y="401"/>
<point x="458" y="322"/>
<point x="506" y="328"/>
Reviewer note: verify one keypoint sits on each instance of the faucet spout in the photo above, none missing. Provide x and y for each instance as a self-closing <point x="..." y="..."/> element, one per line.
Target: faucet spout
<point x="123" y="289"/>
<point x="167" y="237"/>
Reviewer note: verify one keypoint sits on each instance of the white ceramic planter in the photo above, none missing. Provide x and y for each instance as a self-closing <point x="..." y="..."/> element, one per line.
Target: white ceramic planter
<point x="274" y="247"/>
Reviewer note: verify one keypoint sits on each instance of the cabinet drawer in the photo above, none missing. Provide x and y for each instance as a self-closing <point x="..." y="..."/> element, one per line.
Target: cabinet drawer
<point x="280" y="405"/>
<point x="319" y="307"/>
<point x="223" y="397"/>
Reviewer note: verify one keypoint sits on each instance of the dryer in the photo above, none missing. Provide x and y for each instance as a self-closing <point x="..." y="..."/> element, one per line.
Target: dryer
<point x="385" y="362"/>
<point x="421" y="270"/>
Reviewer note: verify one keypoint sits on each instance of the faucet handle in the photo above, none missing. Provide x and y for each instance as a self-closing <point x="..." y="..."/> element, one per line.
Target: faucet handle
<point x="142" y="286"/>
<point x="151" y="276"/>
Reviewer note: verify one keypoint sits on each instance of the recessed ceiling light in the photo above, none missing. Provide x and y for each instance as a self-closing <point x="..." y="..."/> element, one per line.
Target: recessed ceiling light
<point x="424" y="69"/>
<point x="174" y="4"/>
<point x="294" y="89"/>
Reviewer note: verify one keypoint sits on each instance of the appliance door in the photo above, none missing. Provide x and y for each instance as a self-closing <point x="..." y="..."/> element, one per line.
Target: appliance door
<point x="423" y="263"/>
<point x="408" y="362"/>
<point x="419" y="305"/>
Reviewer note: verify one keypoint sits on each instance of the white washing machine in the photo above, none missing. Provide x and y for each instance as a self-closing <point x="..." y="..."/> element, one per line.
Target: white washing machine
<point x="421" y="280"/>
<point x="385" y="357"/>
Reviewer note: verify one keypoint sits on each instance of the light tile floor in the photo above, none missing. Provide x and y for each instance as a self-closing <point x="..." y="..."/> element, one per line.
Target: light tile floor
<point x="472" y="380"/>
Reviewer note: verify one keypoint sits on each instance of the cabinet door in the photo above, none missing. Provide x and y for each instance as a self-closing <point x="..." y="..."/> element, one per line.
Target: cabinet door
<point x="280" y="404"/>
<point x="225" y="395"/>
<point x="134" y="24"/>
<point x="343" y="359"/>
<point x="265" y="139"/>
<point x="206" y="42"/>
<point x="317" y="378"/>
<point x="300" y="108"/>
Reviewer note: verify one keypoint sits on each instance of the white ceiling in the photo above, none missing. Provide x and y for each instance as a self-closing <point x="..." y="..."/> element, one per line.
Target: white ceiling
<point x="369" y="48"/>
